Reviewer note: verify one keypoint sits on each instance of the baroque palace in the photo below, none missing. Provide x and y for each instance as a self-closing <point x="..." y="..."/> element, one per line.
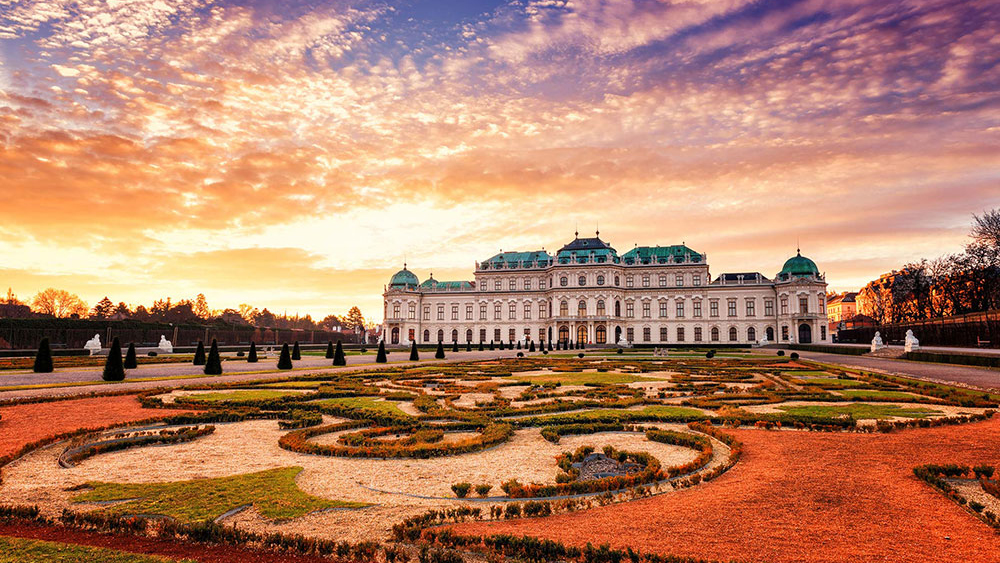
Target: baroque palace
<point x="587" y="292"/>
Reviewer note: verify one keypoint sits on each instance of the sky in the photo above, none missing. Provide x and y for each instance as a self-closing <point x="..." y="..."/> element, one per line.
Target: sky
<point x="293" y="154"/>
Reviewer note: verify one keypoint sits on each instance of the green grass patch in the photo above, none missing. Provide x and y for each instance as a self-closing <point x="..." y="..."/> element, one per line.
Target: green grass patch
<point x="807" y="373"/>
<point x="879" y="394"/>
<point x="19" y="550"/>
<point x="241" y="395"/>
<point x="621" y="414"/>
<point x="586" y="378"/>
<point x="368" y="403"/>
<point x="272" y="492"/>
<point x="860" y="411"/>
<point x="297" y="384"/>
<point x="833" y="382"/>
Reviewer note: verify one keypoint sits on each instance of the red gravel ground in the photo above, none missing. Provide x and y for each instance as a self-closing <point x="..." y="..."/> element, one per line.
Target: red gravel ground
<point x="24" y="424"/>
<point x="803" y="497"/>
<point x="152" y="546"/>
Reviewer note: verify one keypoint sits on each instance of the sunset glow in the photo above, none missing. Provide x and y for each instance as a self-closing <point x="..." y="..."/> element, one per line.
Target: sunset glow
<point x="292" y="155"/>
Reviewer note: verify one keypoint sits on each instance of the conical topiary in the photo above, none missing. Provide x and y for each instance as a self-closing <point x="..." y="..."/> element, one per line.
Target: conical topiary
<point x="43" y="359"/>
<point x="252" y="356"/>
<point x="550" y="345"/>
<point x="338" y="356"/>
<point x="285" y="359"/>
<point x="414" y="356"/>
<point x="130" y="360"/>
<point x="531" y="348"/>
<point x="500" y="346"/>
<point x="468" y="345"/>
<point x="329" y="350"/>
<point x="439" y="355"/>
<point x="480" y="345"/>
<point x="518" y="344"/>
<point x="199" y="354"/>
<point x="454" y="345"/>
<point x="492" y="347"/>
<point x="380" y="357"/>
<point x="213" y="366"/>
<point x="296" y="351"/>
<point x="113" y="368"/>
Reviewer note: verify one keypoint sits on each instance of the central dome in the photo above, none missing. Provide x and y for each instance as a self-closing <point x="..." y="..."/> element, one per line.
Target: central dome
<point x="799" y="266"/>
<point x="403" y="279"/>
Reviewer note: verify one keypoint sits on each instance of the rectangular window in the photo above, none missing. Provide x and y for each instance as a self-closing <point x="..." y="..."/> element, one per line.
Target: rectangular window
<point x="512" y="311"/>
<point x="645" y="280"/>
<point x="663" y="309"/>
<point x="427" y="312"/>
<point x="751" y="308"/>
<point x="769" y="307"/>
<point x="713" y="308"/>
<point x="527" y="283"/>
<point x="663" y="334"/>
<point x="697" y="309"/>
<point x="784" y="306"/>
<point x="412" y="313"/>
<point x="454" y="312"/>
<point x="630" y="334"/>
<point x="543" y="310"/>
<point x="680" y="334"/>
<point x="411" y="333"/>
<point x="680" y="309"/>
<point x="822" y="332"/>
<point x="784" y="332"/>
<point x="395" y="311"/>
<point x="482" y="312"/>
<point x="497" y="312"/>
<point x="629" y="310"/>
<point x="697" y="334"/>
<point x="440" y="312"/>
<point x="541" y="283"/>
<point x="527" y="311"/>
<point x="663" y="280"/>
<point x="679" y="280"/>
<point x="541" y="334"/>
<point x="482" y="335"/>
<point x="731" y="307"/>
<point x="646" y="336"/>
<point x="822" y="304"/>
<point x="496" y="334"/>
<point x="496" y="285"/>
<point x="468" y="313"/>
<point x="645" y="309"/>
<point x="697" y="281"/>
<point x="513" y="284"/>
<point x="803" y="304"/>
<point x="628" y="281"/>
<point x="512" y="334"/>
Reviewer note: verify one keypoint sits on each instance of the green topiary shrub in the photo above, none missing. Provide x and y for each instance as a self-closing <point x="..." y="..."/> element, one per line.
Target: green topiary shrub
<point x="454" y="346"/>
<point x="43" y="359"/>
<point x="518" y="344"/>
<point x="252" y="355"/>
<point x="339" y="359"/>
<point x="113" y="368"/>
<point x="381" y="358"/>
<point x="414" y="355"/>
<point x="580" y="355"/>
<point x="531" y="347"/>
<point x="329" y="350"/>
<point x="483" y="490"/>
<point x="213" y="366"/>
<point x="199" y="354"/>
<point x="794" y="355"/>
<point x="130" y="360"/>
<point x="620" y="351"/>
<point x="468" y="345"/>
<point x="710" y="354"/>
<point x="439" y="354"/>
<point x="481" y="346"/>
<point x="492" y="345"/>
<point x="781" y="352"/>
<point x="461" y="490"/>
<point x="285" y="359"/>
<point x="296" y="351"/>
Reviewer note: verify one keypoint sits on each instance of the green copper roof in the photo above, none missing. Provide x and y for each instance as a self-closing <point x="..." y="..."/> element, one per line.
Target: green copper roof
<point x="535" y="258"/>
<point x="661" y="254"/>
<point x="403" y="279"/>
<point x="587" y="250"/>
<point x="799" y="265"/>
<point x="435" y="285"/>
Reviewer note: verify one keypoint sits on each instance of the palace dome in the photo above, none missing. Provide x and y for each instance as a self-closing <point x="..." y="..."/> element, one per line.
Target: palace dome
<point x="403" y="279"/>
<point x="798" y="266"/>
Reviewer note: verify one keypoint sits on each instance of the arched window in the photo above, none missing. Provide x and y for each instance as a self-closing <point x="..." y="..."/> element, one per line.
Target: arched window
<point x="600" y="307"/>
<point x="581" y="308"/>
<point x="733" y="334"/>
<point x="454" y="335"/>
<point x="427" y="335"/>
<point x="440" y="335"/>
<point x="602" y="334"/>
<point x="715" y="334"/>
<point x="600" y="280"/>
<point x="563" y="333"/>
<point x="752" y="334"/>
<point x="618" y="308"/>
<point x="581" y="333"/>
<point x="468" y="335"/>
<point x="564" y="309"/>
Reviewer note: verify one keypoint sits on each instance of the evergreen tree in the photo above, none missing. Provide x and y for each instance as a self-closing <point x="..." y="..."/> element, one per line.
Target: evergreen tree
<point x="414" y="356"/>
<point x="583" y="344"/>
<point x="199" y="354"/>
<point x="492" y="347"/>
<point x="130" y="360"/>
<point x="531" y="348"/>
<point x="468" y="345"/>
<point x="214" y="364"/>
<point x="113" y="368"/>
<point x="252" y="356"/>
<point x="518" y="344"/>
<point x="285" y="359"/>
<point x="550" y="345"/>
<point x="338" y="356"/>
<point x="480" y="345"/>
<point x="439" y="355"/>
<point x="380" y="357"/>
<point x="454" y="346"/>
<point x="43" y="360"/>
<point x="329" y="350"/>
<point x="296" y="351"/>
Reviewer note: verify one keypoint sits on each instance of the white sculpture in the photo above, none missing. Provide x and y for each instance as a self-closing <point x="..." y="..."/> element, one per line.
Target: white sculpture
<point x="165" y="346"/>
<point x="911" y="343"/>
<point x="93" y="345"/>
<point x="877" y="342"/>
<point x="763" y="341"/>
<point x="622" y="343"/>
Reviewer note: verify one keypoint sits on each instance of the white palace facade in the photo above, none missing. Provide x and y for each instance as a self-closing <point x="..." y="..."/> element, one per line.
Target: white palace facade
<point x="652" y="296"/>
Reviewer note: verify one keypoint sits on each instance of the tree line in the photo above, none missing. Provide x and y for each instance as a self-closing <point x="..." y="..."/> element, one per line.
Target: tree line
<point x="953" y="284"/>
<point x="61" y="304"/>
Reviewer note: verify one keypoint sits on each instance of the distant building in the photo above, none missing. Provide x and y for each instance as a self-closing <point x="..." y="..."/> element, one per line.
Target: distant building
<point x="587" y="292"/>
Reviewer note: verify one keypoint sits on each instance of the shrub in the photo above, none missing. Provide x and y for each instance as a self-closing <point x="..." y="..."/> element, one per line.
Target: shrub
<point x="976" y="506"/>
<point x="480" y="345"/>
<point x="781" y="352"/>
<point x="199" y="354"/>
<point x="709" y="354"/>
<point x="285" y="359"/>
<point x="620" y="351"/>
<point x="483" y="490"/>
<point x="240" y="354"/>
<point x="462" y="489"/>
<point x="43" y="359"/>
<point x="339" y="359"/>
<point x="152" y="354"/>
<point x="983" y="471"/>
<point x="213" y="366"/>
<point x="414" y="355"/>
<point x="518" y="344"/>
<point x="296" y="351"/>
<point x="329" y="350"/>
<point x="113" y="368"/>
<point x="794" y="355"/>
<point x="531" y="348"/>
<point x="492" y="345"/>
<point x="580" y="355"/>
<point x="252" y="356"/>
<point x="520" y="354"/>
<point x="468" y="345"/>
<point x="439" y="354"/>
<point x="454" y="345"/>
